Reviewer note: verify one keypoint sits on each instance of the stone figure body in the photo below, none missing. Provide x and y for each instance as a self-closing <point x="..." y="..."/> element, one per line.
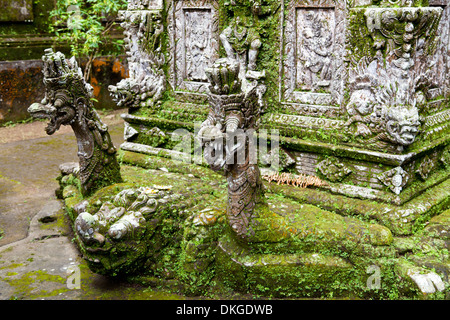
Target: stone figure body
<point x="315" y="51"/>
<point x="241" y="41"/>
<point x="68" y="102"/>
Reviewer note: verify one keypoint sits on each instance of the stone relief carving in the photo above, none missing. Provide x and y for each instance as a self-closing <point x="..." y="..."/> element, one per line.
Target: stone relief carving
<point x="395" y="179"/>
<point x="242" y="42"/>
<point x="117" y="233"/>
<point x="314" y="49"/>
<point x="435" y="66"/>
<point x="119" y="218"/>
<point x="383" y="113"/>
<point x="144" y="4"/>
<point x="445" y="158"/>
<point x="194" y="43"/>
<point x="387" y="91"/>
<point x="197" y="37"/>
<point x="333" y="170"/>
<point x="427" y="165"/>
<point x="315" y="41"/>
<point x="397" y="29"/>
<point x="306" y="122"/>
<point x="147" y="80"/>
<point x="67" y="101"/>
<point x="383" y="110"/>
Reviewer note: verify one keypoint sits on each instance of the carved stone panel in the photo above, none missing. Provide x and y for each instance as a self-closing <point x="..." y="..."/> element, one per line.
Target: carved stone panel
<point x="194" y="43"/>
<point x="313" y="42"/>
<point x="315" y="38"/>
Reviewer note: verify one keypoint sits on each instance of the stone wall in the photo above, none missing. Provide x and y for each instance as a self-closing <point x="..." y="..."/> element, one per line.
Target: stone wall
<point x="21" y="84"/>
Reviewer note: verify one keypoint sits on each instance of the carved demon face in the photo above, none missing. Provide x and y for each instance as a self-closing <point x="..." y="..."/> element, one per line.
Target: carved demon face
<point x="403" y="124"/>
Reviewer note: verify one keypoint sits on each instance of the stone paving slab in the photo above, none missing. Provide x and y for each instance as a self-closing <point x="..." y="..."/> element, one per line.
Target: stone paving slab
<point x="38" y="266"/>
<point x="28" y="171"/>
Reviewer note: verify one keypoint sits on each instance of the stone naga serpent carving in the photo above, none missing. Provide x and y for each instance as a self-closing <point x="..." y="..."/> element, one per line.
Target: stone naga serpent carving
<point x="67" y="101"/>
<point x="233" y="114"/>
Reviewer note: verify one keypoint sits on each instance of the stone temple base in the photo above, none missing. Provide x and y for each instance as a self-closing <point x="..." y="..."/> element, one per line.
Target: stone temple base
<point x="303" y="250"/>
<point x="307" y="242"/>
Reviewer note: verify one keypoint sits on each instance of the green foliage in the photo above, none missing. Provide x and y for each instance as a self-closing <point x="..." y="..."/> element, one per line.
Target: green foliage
<point x="86" y="25"/>
<point x="12" y="124"/>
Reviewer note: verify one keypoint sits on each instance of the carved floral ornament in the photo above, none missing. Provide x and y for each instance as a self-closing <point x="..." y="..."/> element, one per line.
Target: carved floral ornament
<point x="313" y="47"/>
<point x="395" y="179"/>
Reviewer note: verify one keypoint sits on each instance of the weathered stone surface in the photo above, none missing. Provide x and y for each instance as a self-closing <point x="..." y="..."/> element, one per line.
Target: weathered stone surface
<point x="16" y="10"/>
<point x="294" y="243"/>
<point x="233" y="112"/>
<point x="147" y="81"/>
<point x="357" y="91"/>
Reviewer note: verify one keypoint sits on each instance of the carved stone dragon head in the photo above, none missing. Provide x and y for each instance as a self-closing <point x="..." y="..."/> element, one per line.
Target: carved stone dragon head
<point x="67" y="101"/>
<point x="58" y="105"/>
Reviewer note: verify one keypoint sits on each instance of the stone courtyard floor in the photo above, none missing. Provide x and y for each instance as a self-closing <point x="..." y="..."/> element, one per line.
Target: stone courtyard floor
<point x="37" y="257"/>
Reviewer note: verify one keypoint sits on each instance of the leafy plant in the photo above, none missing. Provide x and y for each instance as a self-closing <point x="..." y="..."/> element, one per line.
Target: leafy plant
<point x="86" y="26"/>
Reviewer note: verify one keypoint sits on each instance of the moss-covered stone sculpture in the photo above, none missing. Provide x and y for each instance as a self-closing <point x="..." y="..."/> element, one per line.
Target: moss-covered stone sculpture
<point x="67" y="101"/>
